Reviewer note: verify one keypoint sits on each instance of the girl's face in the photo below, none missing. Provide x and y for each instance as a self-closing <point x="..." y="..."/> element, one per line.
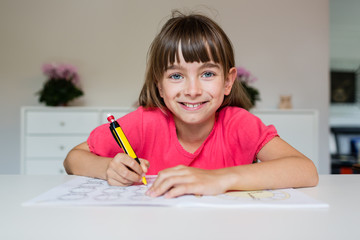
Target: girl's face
<point x="194" y="91"/>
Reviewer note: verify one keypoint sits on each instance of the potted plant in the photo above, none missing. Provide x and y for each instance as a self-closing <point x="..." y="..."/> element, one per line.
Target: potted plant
<point x="61" y="86"/>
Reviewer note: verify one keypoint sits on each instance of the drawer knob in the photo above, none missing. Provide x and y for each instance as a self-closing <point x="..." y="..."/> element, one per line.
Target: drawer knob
<point x="62" y="147"/>
<point x="62" y="123"/>
<point x="61" y="171"/>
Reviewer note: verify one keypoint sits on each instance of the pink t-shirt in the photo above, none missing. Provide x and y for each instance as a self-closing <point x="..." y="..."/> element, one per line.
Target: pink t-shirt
<point x="236" y="138"/>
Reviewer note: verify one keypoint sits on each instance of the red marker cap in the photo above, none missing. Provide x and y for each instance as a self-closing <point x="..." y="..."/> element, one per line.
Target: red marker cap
<point x="110" y="118"/>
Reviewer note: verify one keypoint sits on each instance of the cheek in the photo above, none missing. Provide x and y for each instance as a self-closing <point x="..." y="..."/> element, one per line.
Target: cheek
<point x="170" y="94"/>
<point x="218" y="90"/>
<point x="170" y="90"/>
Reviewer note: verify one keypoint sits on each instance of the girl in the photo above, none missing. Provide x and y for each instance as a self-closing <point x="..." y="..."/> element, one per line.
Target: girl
<point x="192" y="127"/>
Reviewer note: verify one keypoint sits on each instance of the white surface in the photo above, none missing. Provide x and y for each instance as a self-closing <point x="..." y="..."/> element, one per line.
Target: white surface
<point x="339" y="221"/>
<point x="86" y="191"/>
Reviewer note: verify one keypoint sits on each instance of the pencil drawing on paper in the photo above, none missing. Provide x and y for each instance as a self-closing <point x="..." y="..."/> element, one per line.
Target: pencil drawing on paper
<point x="89" y="191"/>
<point x="262" y="195"/>
<point x="99" y="190"/>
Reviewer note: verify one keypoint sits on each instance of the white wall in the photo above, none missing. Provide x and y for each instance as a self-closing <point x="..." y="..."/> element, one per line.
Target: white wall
<point x="283" y="42"/>
<point x="345" y="34"/>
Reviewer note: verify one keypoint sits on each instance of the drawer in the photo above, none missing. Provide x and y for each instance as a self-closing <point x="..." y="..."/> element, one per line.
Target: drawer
<point x="51" y="146"/>
<point x="39" y="167"/>
<point x="39" y="122"/>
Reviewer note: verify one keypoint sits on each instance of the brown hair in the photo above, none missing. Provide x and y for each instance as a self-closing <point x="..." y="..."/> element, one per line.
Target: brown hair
<point x="201" y="40"/>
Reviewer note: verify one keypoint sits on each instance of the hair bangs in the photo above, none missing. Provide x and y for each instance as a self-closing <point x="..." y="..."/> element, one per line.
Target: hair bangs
<point x="193" y="42"/>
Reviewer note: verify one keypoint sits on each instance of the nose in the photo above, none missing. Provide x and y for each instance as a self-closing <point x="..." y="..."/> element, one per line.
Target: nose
<point x="193" y="87"/>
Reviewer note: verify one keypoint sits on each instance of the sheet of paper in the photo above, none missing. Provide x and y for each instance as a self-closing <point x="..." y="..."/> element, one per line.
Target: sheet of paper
<point x="86" y="191"/>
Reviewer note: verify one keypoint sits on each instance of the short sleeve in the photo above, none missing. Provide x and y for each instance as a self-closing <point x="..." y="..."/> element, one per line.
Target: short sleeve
<point x="257" y="133"/>
<point x="247" y="132"/>
<point x="267" y="133"/>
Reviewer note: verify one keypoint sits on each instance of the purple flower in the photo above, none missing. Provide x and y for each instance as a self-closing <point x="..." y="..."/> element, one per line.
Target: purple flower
<point x="49" y="70"/>
<point x="244" y="75"/>
<point x="61" y="71"/>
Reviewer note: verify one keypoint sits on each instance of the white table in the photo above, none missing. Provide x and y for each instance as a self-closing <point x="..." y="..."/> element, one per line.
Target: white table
<point x="339" y="221"/>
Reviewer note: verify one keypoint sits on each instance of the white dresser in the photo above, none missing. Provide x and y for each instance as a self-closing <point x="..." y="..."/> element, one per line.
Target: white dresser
<point x="298" y="127"/>
<point x="49" y="133"/>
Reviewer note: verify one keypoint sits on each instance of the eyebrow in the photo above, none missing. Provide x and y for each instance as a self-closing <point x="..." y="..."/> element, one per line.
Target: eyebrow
<point x="205" y="65"/>
<point x="210" y="65"/>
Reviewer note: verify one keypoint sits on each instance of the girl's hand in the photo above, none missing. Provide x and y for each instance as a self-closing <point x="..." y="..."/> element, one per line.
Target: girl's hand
<point x="181" y="180"/>
<point x="124" y="170"/>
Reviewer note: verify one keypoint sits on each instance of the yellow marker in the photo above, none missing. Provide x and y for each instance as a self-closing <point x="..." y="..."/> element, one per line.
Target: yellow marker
<point x="121" y="139"/>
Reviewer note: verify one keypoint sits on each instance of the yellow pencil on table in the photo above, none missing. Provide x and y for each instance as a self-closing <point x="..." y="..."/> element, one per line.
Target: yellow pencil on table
<point x="121" y="139"/>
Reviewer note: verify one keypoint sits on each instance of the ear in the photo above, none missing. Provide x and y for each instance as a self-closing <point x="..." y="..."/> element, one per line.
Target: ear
<point x="230" y="79"/>
<point x="160" y="89"/>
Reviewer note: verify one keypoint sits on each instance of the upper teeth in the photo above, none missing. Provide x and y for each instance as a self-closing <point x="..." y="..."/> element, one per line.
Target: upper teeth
<point x="192" y="105"/>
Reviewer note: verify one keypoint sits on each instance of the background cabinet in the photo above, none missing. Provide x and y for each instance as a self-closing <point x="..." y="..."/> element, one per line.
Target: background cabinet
<point x="300" y="128"/>
<point x="48" y="133"/>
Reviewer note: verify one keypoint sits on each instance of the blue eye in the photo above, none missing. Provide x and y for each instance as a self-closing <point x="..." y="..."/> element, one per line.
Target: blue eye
<point x="176" y="76"/>
<point x="208" y="74"/>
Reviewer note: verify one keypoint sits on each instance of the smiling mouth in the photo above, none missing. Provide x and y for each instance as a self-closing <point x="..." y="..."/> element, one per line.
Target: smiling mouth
<point x="192" y="105"/>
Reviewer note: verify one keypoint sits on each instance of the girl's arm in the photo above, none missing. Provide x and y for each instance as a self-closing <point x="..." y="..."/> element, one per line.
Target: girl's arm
<point x="80" y="161"/>
<point x="281" y="166"/>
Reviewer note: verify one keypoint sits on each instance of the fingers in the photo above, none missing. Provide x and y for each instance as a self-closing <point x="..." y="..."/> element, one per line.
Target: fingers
<point x="167" y="178"/>
<point x="173" y="182"/>
<point x="114" y="179"/>
<point x="182" y="189"/>
<point x="181" y="180"/>
<point x="144" y="164"/>
<point x="124" y="170"/>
